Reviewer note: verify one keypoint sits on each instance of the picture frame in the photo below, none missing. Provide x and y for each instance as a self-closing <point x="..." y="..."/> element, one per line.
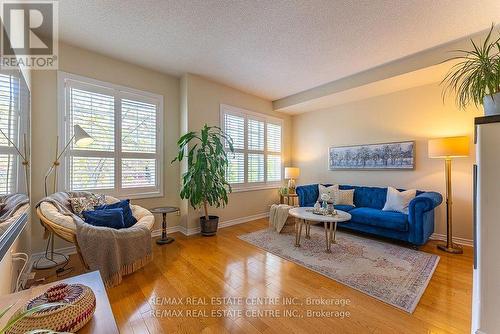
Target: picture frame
<point x="381" y="156"/>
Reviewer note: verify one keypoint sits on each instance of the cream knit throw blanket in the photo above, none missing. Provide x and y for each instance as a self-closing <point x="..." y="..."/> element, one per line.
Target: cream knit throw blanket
<point x="115" y="253"/>
<point x="278" y="216"/>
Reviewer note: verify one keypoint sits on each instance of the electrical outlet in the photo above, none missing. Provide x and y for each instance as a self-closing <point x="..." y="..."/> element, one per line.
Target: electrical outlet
<point x="178" y="213"/>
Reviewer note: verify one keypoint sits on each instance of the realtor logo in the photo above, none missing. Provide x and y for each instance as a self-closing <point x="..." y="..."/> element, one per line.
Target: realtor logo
<point x="29" y="34"/>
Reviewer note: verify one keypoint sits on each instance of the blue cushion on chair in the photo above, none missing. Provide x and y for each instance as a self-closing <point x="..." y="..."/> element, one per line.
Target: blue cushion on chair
<point x="105" y="218"/>
<point x="387" y="219"/>
<point x="128" y="218"/>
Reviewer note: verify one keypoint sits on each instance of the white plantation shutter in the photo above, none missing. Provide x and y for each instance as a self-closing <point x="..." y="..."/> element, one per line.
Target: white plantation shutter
<point x="257" y="145"/>
<point x="235" y="128"/>
<point x="138" y="126"/>
<point x="274" y="166"/>
<point x="255" y="135"/>
<point x="7" y="174"/>
<point x="9" y="123"/>
<point x="95" y="113"/>
<point x="139" y="165"/>
<point x="255" y="167"/>
<point x="92" y="167"/>
<point x="138" y="173"/>
<point x="89" y="173"/>
<point x="236" y="169"/>
<point x="274" y="137"/>
<point x="255" y="142"/>
<point x="126" y="156"/>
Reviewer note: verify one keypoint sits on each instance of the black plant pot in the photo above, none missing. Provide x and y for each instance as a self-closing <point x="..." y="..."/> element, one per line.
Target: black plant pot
<point x="209" y="227"/>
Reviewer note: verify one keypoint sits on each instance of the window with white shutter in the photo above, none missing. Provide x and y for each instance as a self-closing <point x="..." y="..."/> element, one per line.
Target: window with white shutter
<point x="257" y="158"/>
<point x="9" y="124"/>
<point x="126" y="156"/>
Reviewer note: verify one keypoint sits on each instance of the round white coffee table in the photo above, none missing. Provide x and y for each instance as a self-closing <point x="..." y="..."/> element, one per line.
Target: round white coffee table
<point x="305" y="215"/>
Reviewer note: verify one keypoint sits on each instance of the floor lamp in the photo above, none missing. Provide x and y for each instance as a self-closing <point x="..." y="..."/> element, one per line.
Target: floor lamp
<point x="82" y="139"/>
<point x="448" y="148"/>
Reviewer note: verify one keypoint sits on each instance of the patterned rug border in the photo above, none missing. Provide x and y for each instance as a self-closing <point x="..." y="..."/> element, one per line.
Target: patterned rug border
<point x="288" y="258"/>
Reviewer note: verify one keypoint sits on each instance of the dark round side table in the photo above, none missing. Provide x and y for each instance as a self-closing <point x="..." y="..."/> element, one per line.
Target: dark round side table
<point x="164" y="210"/>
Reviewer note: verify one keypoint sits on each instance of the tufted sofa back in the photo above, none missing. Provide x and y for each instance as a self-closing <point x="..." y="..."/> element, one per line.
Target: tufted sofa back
<point x="364" y="197"/>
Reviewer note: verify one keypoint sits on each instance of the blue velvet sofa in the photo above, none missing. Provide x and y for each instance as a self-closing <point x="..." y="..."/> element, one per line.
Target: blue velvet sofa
<point x="367" y="215"/>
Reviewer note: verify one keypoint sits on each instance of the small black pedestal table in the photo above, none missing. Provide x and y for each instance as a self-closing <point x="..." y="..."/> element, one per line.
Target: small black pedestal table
<point x="164" y="210"/>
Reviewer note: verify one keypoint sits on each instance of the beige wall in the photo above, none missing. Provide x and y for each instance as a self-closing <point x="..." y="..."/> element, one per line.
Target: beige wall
<point x="9" y="269"/>
<point x="203" y="99"/>
<point x="189" y="103"/>
<point x="413" y="114"/>
<point x="100" y="67"/>
<point x="192" y="101"/>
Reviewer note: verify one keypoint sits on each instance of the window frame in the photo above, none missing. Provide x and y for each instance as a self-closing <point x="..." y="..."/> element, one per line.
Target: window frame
<point x="22" y="125"/>
<point x="119" y="92"/>
<point x="247" y="114"/>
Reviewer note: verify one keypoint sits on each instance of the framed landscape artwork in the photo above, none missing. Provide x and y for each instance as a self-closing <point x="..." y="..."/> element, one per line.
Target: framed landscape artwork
<point x="392" y="156"/>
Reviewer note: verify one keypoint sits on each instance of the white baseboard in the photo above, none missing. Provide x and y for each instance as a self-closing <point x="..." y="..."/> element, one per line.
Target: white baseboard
<point x="460" y="241"/>
<point x="242" y="220"/>
<point x="173" y="229"/>
<point x="196" y="230"/>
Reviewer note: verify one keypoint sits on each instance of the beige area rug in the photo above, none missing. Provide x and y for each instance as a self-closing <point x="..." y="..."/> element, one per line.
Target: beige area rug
<point x="393" y="274"/>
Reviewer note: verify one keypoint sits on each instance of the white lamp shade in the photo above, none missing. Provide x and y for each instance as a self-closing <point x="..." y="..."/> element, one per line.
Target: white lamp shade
<point x="82" y="138"/>
<point x="292" y="172"/>
<point x="450" y="147"/>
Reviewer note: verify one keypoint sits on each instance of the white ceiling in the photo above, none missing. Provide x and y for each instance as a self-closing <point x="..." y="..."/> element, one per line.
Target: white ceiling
<point x="271" y="48"/>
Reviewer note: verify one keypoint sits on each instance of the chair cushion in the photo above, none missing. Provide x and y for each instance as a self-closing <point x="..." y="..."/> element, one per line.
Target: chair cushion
<point x="112" y="218"/>
<point x="86" y="203"/>
<point x="345" y="208"/>
<point x="143" y="216"/>
<point x="386" y="219"/>
<point x="128" y="217"/>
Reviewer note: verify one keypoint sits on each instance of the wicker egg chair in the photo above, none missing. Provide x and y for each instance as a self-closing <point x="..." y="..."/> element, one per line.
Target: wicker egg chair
<point x="64" y="227"/>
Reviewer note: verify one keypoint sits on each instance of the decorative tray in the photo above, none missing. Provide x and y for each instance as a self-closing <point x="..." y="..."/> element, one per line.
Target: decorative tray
<point x="321" y="213"/>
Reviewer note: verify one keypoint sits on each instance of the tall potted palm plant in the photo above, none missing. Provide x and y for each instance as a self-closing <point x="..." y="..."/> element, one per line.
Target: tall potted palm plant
<point x="204" y="183"/>
<point x="476" y="76"/>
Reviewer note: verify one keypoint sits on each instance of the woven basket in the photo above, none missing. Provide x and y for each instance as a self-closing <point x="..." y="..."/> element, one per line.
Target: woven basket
<point x="67" y="318"/>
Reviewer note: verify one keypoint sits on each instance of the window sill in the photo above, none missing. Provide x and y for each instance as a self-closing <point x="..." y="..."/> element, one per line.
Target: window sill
<point x="124" y="195"/>
<point x="255" y="188"/>
<point x="143" y="196"/>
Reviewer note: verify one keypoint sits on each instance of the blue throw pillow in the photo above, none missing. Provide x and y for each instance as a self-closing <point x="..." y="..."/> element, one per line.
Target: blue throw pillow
<point x="128" y="218"/>
<point x="105" y="218"/>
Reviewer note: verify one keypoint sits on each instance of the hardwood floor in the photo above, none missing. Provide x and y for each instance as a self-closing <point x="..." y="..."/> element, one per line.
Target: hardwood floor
<point x="224" y="266"/>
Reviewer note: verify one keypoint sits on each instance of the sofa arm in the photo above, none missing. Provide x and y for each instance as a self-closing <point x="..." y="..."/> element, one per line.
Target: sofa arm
<point x="426" y="201"/>
<point x="307" y="194"/>
<point x="421" y="216"/>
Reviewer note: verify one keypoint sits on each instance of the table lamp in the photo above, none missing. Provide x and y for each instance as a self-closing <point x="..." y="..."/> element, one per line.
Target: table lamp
<point x="448" y="148"/>
<point x="291" y="173"/>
